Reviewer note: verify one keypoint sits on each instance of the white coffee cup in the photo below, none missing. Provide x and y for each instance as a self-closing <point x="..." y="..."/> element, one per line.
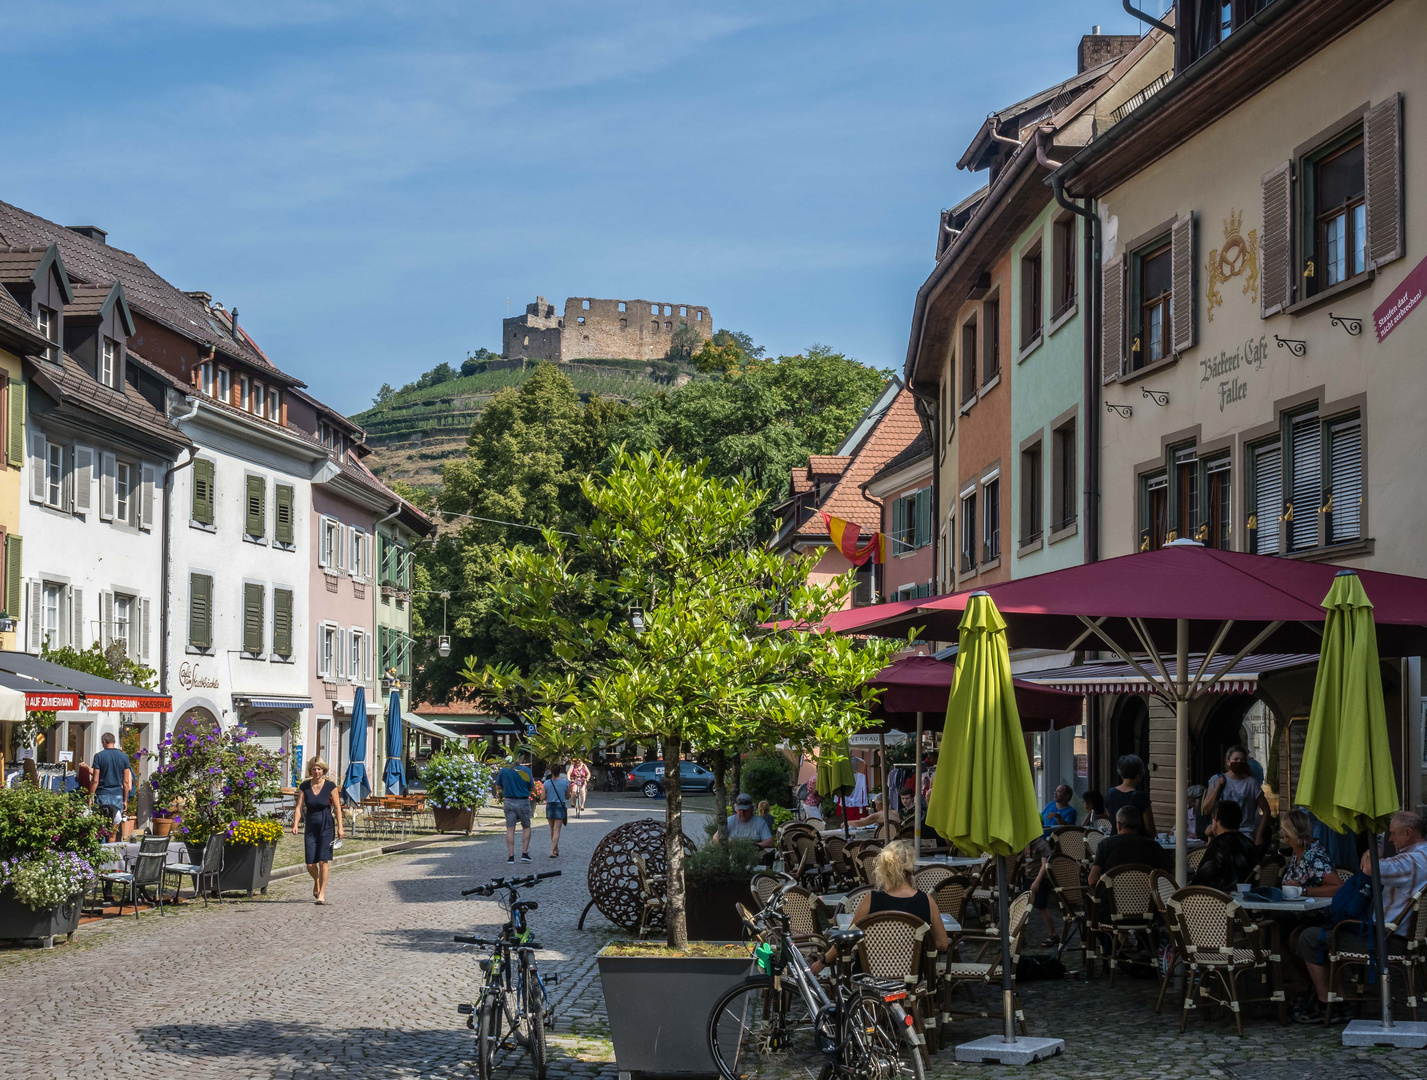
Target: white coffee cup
<point x="1292" y="892"/>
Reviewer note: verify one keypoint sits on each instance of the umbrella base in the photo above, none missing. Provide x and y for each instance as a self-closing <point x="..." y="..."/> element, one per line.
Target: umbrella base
<point x="994" y="1049"/>
<point x="1404" y="1034"/>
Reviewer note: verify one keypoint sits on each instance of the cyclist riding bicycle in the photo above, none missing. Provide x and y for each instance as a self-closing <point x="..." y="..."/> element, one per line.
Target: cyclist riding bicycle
<point x="579" y="777"/>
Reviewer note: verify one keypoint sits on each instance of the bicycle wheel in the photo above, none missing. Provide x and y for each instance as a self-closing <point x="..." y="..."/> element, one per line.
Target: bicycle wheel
<point x="487" y="1035"/>
<point x="877" y="1045"/>
<point x="756" y="1031"/>
<point x="535" y="1017"/>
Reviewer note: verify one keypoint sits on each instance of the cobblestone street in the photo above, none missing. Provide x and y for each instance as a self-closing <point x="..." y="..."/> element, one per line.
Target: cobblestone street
<point x="368" y="987"/>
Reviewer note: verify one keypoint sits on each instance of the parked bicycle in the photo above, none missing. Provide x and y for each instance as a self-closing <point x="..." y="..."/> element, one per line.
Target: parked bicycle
<point x="782" y="1022"/>
<point x="513" y="1008"/>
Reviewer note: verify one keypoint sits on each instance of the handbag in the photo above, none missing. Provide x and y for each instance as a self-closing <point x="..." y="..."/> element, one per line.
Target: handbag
<point x="1353" y="900"/>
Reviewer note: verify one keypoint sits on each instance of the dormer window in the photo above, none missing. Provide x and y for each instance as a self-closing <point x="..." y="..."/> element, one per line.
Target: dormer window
<point x="259" y="400"/>
<point x="225" y="386"/>
<point x="242" y="392"/>
<point x="48" y="325"/>
<point x="274" y="405"/>
<point x="109" y="363"/>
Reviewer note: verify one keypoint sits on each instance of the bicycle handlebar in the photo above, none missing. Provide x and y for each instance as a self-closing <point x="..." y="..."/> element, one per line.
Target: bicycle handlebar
<point x="509" y="883"/>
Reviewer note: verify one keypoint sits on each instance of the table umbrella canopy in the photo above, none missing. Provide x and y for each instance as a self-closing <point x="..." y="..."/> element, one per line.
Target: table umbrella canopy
<point x="394" y="775"/>
<point x="836" y="777"/>
<point x="1347" y="771"/>
<point x="983" y="798"/>
<point x="355" y="785"/>
<point x="922" y="684"/>
<point x="1155" y="589"/>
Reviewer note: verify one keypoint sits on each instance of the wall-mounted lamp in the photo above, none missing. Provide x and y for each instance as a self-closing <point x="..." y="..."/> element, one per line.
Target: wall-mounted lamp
<point x="443" y="645"/>
<point x="1123" y="411"/>
<point x="1354" y="327"/>
<point x="1297" y="348"/>
<point x="1159" y="397"/>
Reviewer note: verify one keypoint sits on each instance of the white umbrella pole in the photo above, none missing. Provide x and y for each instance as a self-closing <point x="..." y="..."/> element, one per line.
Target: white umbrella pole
<point x="917" y="820"/>
<point x="1181" y="753"/>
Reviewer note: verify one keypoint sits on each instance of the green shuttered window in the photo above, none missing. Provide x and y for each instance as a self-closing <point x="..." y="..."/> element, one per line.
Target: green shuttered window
<point x="13" y="564"/>
<point x="203" y="492"/>
<point x="252" y="618"/>
<point x="282" y="621"/>
<point x="256" y="510"/>
<point x="15" y="424"/>
<point x="282" y="527"/>
<point x="200" y="611"/>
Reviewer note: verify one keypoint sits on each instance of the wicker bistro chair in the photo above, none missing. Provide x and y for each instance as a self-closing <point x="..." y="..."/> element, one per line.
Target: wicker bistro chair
<point x="1092" y="842"/>
<point x="853" y="898"/>
<point x="1411" y="961"/>
<point x="1068" y="882"/>
<point x="210" y="867"/>
<point x="801" y="906"/>
<point x="764" y="884"/>
<point x="894" y="949"/>
<point x="1195" y="858"/>
<point x="1124" y="910"/>
<point x="651" y="896"/>
<point x="148" y="873"/>
<point x="1162" y="887"/>
<point x="960" y="973"/>
<point x="1269" y="872"/>
<point x="1207" y="921"/>
<point x="813" y="869"/>
<point x="1070" y="840"/>
<point x="950" y="896"/>
<point x="866" y="860"/>
<point x="840" y="870"/>
<point x="929" y="877"/>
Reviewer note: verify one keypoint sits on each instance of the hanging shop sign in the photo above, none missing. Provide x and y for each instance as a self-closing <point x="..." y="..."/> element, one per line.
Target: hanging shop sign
<point x="1237" y="256"/>
<point x="124" y="703"/>
<point x="60" y="702"/>
<point x="1404" y="300"/>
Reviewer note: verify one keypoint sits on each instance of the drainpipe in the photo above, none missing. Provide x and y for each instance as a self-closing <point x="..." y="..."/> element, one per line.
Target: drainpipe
<point x="1044" y="135"/>
<point x="1137" y="13"/>
<point x="192" y="403"/>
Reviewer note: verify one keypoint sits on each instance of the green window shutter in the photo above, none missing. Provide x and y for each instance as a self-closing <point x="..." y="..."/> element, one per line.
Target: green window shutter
<point x="203" y="491"/>
<point x="200" y="611"/>
<point x="403" y="567"/>
<point x="12" y="576"/>
<point x="256" y="511"/>
<point x="252" y="618"/>
<point x="15" y="432"/>
<point x="282" y="528"/>
<point x="282" y="620"/>
<point x="381" y="651"/>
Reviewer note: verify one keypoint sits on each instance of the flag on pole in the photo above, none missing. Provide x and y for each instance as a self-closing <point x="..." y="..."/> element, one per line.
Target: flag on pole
<point x="845" y="535"/>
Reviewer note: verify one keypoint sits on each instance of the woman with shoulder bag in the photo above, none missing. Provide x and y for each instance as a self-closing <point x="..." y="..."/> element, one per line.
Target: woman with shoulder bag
<point x="557" y="791"/>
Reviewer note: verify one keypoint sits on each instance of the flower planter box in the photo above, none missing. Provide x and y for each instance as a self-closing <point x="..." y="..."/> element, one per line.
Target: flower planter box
<point x="710" y="912"/>
<point x="659" y="1008"/>
<point x="17" y="921"/>
<point x="449" y="819"/>
<point x="246" y="867"/>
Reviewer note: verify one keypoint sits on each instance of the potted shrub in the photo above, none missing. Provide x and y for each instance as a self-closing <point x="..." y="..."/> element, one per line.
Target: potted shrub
<point x="716" y="877"/>
<point x="248" y="856"/>
<point x="49" y="844"/>
<point x="456" y="786"/>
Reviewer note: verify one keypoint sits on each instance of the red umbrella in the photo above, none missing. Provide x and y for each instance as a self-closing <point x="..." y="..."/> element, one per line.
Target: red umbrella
<point x="922" y="684"/>
<point x="1148" y="606"/>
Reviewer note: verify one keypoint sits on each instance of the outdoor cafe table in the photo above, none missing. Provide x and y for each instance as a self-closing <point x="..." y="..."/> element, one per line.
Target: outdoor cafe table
<point x="1269" y="912"/>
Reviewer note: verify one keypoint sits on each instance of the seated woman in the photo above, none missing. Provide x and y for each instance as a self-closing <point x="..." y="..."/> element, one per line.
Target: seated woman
<point x="1311" y="870"/>
<point x="895" y="890"/>
<point x="1096" y="816"/>
<point x="1231" y="856"/>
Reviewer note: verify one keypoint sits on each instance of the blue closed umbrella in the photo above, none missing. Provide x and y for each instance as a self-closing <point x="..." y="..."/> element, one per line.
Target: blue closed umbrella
<point x="394" y="776"/>
<point x="355" y="785"/>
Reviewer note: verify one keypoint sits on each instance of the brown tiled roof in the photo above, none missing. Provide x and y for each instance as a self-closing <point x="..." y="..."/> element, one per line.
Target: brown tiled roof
<point x="895" y="432"/>
<point x="802" y="482"/>
<point x="70" y="384"/>
<point x="18" y="263"/>
<point x="827" y="464"/>
<point x="88" y="299"/>
<point x="921" y="447"/>
<point x="89" y="260"/>
<point x="14" y="315"/>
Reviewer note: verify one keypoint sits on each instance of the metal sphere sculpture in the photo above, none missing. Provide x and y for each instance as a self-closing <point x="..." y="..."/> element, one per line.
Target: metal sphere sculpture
<point x="614" y="880"/>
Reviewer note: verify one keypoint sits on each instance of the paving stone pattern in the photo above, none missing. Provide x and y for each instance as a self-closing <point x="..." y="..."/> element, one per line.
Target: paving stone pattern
<point x="368" y="986"/>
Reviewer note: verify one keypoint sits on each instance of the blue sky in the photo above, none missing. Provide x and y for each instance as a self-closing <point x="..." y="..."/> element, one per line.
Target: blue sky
<point x="369" y="183"/>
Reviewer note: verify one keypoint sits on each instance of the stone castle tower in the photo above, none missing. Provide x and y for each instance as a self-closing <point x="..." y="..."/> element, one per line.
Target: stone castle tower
<point x="593" y="329"/>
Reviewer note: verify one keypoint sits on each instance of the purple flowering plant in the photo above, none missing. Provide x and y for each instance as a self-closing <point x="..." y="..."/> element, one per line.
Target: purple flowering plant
<point x="214" y="779"/>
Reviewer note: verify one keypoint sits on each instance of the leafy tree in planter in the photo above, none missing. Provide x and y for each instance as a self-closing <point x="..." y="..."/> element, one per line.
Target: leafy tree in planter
<point x="654" y="616"/>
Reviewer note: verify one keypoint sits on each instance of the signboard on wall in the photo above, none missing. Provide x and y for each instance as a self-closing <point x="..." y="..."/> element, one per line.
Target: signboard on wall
<point x="1402" y="301"/>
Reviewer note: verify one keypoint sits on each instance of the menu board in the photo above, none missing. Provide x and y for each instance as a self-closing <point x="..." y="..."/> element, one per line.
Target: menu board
<point x="1296" y="737"/>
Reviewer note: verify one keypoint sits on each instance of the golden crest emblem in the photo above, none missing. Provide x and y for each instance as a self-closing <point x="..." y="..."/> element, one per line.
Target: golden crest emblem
<point x="1237" y="256"/>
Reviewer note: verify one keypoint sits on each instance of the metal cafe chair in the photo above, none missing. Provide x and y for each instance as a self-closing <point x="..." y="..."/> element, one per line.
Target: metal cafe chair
<point x="147" y="873"/>
<point x="209" y="868"/>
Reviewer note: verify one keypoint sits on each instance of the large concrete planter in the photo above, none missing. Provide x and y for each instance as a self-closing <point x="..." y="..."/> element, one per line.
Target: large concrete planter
<point x="246" y="867"/>
<point x="450" y="820"/>
<point x="659" y="1006"/>
<point x="20" y="922"/>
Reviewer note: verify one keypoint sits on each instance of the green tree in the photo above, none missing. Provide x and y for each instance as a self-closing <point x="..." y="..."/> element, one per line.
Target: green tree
<point x="666" y="543"/>
<point x="760" y="419"/>
<point x="682" y="344"/>
<point x="385" y="394"/>
<point x="743" y="342"/>
<point x="476" y="362"/>
<point x="526" y="455"/>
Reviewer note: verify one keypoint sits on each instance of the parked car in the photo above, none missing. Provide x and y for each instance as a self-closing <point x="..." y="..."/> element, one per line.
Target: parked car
<point x="648" y="777"/>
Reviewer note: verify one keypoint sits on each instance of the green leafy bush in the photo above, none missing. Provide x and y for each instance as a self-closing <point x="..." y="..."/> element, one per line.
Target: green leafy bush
<point x="769" y="776"/>
<point x="35" y="822"/>
<point x="781" y="816"/>
<point x="719" y="864"/>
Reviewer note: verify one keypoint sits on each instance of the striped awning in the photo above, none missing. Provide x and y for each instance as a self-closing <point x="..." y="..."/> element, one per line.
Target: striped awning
<point x="1118" y="677"/>
<point x="241" y="701"/>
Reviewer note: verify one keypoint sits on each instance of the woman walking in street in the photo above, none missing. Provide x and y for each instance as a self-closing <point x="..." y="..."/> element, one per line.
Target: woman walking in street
<point x="557" y="791"/>
<point x="317" y="803"/>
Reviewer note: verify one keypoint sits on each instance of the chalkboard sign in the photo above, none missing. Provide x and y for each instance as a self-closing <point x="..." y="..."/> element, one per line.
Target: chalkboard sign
<point x="1296" y="737"/>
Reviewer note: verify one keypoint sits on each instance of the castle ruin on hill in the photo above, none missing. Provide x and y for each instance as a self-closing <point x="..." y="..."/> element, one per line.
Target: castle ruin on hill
<point x="594" y="329"/>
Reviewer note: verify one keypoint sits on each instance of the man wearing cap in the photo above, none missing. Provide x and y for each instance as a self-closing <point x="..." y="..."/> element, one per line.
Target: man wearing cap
<point x="744" y="825"/>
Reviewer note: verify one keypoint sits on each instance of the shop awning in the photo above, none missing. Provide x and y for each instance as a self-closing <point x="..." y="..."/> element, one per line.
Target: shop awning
<point x="1118" y="677"/>
<point x="40" y="695"/>
<point x="427" y="726"/>
<point x="243" y="701"/>
<point x="922" y="684"/>
<point x="62" y="685"/>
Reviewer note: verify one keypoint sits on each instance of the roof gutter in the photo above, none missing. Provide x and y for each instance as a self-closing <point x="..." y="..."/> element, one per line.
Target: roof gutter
<point x="1177" y="86"/>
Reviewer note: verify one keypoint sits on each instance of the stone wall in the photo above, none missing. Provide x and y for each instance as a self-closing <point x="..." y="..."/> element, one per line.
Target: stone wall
<point x="536" y="334"/>
<point x="626" y="329"/>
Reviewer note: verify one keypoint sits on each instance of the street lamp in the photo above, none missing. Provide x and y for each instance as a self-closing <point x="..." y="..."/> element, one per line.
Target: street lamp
<point x="443" y="645"/>
<point x="636" y="619"/>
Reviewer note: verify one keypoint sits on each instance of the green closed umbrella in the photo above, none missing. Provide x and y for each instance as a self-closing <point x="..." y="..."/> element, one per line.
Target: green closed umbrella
<point x="1346" y="778"/>
<point x="836" y="778"/>
<point x="983" y="798"/>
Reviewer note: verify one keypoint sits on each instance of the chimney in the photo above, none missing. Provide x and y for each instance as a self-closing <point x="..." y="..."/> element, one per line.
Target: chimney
<point x="206" y="299"/>
<point x="1097" y="48"/>
<point x="235" y="325"/>
<point x="90" y="232"/>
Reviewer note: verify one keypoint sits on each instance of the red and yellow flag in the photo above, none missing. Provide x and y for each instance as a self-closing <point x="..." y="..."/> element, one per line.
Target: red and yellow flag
<point x="845" y="535"/>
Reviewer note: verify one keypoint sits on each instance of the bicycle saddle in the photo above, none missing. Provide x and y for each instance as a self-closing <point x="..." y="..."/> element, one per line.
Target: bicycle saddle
<point x="844" y="939"/>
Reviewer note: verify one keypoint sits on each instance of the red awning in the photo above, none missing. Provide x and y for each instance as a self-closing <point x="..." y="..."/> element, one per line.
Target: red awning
<point x="922" y="684"/>
<point x="1181" y="581"/>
